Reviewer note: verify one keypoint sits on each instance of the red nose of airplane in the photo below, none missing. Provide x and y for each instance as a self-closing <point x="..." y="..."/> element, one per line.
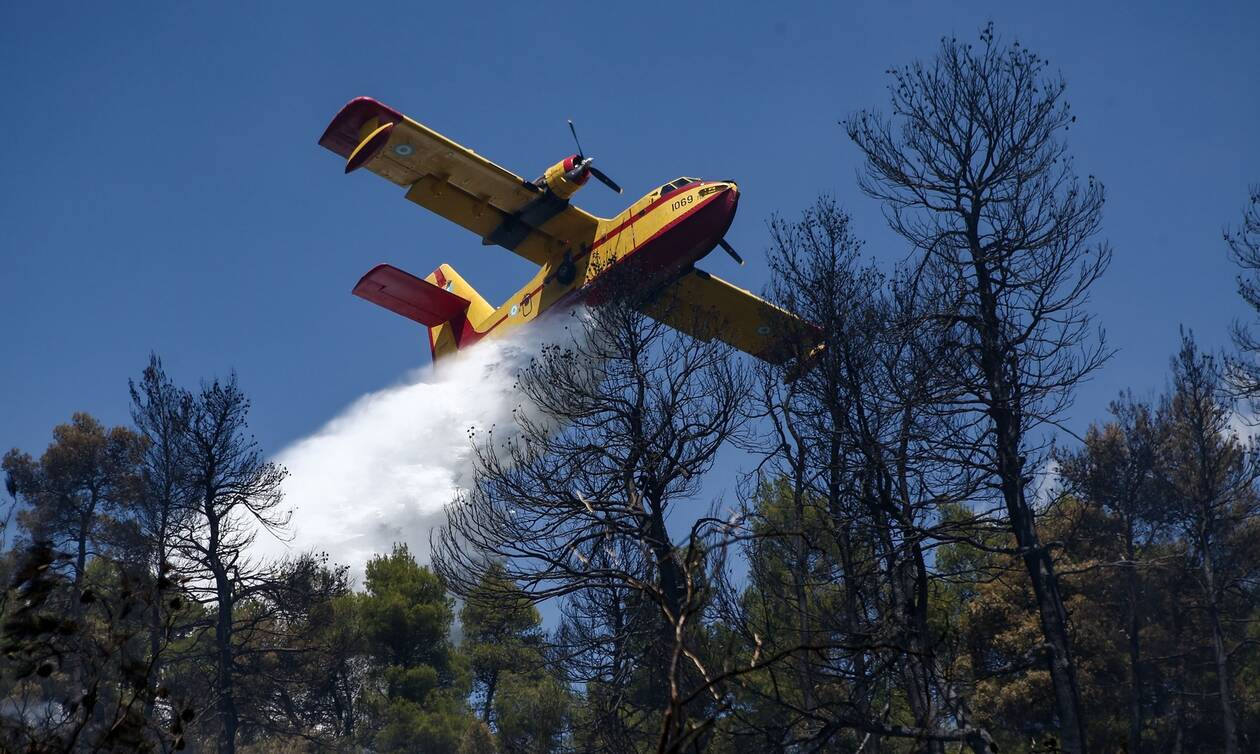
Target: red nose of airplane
<point x="730" y="197"/>
<point x="715" y="218"/>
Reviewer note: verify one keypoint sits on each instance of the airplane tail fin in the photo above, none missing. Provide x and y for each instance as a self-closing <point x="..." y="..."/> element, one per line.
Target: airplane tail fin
<point x="445" y="338"/>
<point x="442" y="302"/>
<point x="478" y="308"/>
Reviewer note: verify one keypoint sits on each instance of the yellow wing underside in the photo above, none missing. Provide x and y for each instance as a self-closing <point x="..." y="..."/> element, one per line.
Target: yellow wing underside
<point x="707" y="308"/>
<point x="462" y="186"/>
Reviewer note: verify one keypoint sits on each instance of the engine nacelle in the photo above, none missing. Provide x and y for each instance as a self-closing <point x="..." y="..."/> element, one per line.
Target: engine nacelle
<point x="567" y="176"/>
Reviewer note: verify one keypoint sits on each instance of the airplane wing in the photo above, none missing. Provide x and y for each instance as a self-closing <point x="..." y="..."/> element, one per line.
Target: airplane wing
<point x="707" y="307"/>
<point x="456" y="182"/>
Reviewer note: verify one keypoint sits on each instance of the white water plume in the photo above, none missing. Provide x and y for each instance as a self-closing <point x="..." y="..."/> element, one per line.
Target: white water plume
<point x="383" y="470"/>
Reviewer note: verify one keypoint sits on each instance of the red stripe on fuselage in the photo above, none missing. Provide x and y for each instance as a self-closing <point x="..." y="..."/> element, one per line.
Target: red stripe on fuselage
<point x="635" y="218"/>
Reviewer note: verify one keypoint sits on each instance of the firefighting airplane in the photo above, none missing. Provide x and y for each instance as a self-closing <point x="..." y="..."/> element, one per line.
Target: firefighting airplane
<point x="657" y="239"/>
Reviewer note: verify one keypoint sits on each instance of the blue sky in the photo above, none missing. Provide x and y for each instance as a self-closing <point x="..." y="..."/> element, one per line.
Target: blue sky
<point x="163" y="190"/>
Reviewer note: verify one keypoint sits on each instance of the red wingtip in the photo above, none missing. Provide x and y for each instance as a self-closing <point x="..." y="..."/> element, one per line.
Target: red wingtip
<point x="342" y="134"/>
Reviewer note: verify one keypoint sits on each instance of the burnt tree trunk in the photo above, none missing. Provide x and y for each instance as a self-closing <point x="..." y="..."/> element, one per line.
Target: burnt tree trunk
<point x="1134" y="628"/>
<point x="1004" y="408"/>
<point x="1220" y="656"/>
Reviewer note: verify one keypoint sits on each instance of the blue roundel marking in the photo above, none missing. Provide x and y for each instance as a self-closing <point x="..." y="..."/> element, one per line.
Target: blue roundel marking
<point x="763" y="330"/>
<point x="404" y="150"/>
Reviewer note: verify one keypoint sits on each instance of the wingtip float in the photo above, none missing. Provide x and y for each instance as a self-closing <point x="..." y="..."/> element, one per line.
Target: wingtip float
<point x="660" y="237"/>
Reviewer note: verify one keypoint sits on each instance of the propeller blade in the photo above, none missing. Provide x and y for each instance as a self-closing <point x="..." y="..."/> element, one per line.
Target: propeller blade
<point x="573" y="131"/>
<point x="734" y="255"/>
<point x="605" y="179"/>
<point x="610" y="183"/>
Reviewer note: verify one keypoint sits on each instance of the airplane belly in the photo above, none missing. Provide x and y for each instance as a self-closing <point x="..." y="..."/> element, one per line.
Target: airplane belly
<point x="673" y="249"/>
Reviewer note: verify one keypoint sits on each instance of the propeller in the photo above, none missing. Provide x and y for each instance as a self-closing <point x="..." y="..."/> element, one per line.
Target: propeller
<point x="734" y="254"/>
<point x="599" y="175"/>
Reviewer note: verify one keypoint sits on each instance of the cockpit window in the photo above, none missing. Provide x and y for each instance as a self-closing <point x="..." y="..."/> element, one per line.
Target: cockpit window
<point x="674" y="185"/>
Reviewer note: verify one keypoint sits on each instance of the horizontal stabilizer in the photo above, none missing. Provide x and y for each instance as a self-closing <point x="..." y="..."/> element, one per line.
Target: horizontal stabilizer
<point x="403" y="293"/>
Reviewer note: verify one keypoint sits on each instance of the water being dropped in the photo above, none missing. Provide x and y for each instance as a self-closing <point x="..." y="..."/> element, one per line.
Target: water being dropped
<point x="383" y="469"/>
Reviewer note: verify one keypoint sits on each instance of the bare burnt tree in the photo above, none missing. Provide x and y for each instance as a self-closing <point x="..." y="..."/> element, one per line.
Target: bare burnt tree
<point x="603" y="644"/>
<point x="974" y="173"/>
<point x="236" y="495"/>
<point x="1244" y="246"/>
<point x="855" y="440"/>
<point x="160" y="411"/>
<point x="619" y="425"/>
<point x="814" y="264"/>
<point x="1211" y="479"/>
<point x="648" y="681"/>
